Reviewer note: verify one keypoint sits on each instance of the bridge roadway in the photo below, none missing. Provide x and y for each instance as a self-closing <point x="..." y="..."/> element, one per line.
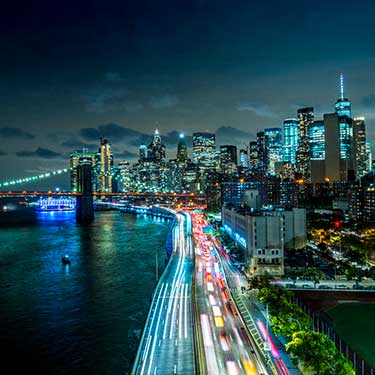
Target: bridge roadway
<point x="166" y="345"/>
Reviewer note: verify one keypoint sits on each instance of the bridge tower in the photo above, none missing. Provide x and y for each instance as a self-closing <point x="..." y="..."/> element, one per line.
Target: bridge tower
<point x="85" y="200"/>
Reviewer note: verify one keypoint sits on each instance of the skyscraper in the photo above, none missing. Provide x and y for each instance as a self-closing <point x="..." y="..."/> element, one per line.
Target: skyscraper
<point x="305" y="118"/>
<point x="104" y="163"/>
<point x="182" y="151"/>
<point x="316" y="137"/>
<point x="316" y="140"/>
<point x="75" y="159"/>
<point x="204" y="150"/>
<point x="262" y="146"/>
<point x="290" y="140"/>
<point x="253" y="157"/>
<point x="343" y="105"/>
<point x="244" y="159"/>
<point x="157" y="149"/>
<point x="360" y="149"/>
<point x="228" y="159"/>
<point x="275" y="147"/>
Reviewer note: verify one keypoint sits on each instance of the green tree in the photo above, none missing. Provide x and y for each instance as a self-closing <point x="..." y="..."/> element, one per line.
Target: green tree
<point x="317" y="353"/>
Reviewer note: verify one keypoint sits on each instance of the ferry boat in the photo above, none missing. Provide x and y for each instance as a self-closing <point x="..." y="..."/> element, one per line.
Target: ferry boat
<point x="56" y="204"/>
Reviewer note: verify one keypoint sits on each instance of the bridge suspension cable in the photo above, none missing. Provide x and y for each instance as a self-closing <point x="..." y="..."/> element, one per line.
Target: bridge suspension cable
<point x="33" y="178"/>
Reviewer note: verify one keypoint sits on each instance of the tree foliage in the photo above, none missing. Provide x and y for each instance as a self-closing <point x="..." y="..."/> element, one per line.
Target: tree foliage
<point x="318" y="354"/>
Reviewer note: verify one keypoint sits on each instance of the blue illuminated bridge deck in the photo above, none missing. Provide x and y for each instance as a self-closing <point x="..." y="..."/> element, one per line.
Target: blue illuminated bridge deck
<point x="166" y="345"/>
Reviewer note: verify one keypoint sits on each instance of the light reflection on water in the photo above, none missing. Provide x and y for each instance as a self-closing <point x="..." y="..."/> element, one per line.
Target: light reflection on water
<point x="76" y="319"/>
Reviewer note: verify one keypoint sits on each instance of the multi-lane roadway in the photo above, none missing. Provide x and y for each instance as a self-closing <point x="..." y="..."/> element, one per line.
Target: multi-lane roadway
<point x="167" y="342"/>
<point x="226" y="347"/>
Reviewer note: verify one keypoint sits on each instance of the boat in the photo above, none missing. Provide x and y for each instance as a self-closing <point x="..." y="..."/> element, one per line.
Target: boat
<point x="65" y="259"/>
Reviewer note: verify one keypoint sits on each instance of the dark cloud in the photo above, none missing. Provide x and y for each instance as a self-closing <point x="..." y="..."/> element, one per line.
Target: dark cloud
<point x="162" y="102"/>
<point x="3" y="153"/>
<point x="113" y="77"/>
<point x="104" y="99"/>
<point x="369" y="101"/>
<point x="15" y="133"/>
<point x="172" y="138"/>
<point x="230" y="132"/>
<point x="42" y="153"/>
<point x="76" y="144"/>
<point x="126" y="155"/>
<point x="261" y="110"/>
<point x="111" y="131"/>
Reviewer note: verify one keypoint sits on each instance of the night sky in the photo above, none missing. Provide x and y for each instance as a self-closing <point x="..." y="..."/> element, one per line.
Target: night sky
<point x="72" y="71"/>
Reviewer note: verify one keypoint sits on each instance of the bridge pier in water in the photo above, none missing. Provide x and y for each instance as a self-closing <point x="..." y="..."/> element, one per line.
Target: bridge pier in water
<point x="85" y="199"/>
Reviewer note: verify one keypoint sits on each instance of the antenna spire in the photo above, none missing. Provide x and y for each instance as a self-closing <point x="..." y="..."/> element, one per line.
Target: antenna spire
<point x="342" y="86"/>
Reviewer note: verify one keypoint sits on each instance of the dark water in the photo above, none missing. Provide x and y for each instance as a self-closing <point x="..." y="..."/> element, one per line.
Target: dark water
<point x="76" y="319"/>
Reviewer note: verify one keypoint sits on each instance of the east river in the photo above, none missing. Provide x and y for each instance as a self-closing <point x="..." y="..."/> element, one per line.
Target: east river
<point x="77" y="319"/>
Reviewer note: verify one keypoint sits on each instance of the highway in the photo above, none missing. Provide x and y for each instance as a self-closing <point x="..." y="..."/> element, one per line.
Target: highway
<point x="167" y="341"/>
<point x="225" y="346"/>
<point x="253" y="314"/>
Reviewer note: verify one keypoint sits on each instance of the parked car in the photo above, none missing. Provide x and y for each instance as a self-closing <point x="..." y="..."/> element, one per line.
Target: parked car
<point x="324" y="286"/>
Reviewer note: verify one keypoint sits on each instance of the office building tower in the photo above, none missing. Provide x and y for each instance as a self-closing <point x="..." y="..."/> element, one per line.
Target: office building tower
<point x="275" y="147"/>
<point x="369" y="157"/>
<point x="204" y="150"/>
<point x="75" y="159"/>
<point x="317" y="151"/>
<point x="157" y="149"/>
<point x="104" y="167"/>
<point x="253" y="157"/>
<point x="338" y="164"/>
<point x="360" y="149"/>
<point x="143" y="153"/>
<point x="343" y="105"/>
<point x="290" y="140"/>
<point x="182" y="150"/>
<point x="262" y="146"/>
<point x="244" y="159"/>
<point x="230" y="151"/>
<point x="228" y="159"/>
<point x="305" y="117"/>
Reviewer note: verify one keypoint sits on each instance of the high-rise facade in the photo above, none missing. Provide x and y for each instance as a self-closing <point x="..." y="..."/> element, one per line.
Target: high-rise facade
<point x="274" y="139"/>
<point x="104" y="167"/>
<point x="228" y="159"/>
<point x="253" y="157"/>
<point x="290" y="140"/>
<point x="263" y="155"/>
<point x="343" y="105"/>
<point x="316" y="140"/>
<point x="244" y="159"/>
<point x="305" y="117"/>
<point x="182" y="150"/>
<point x="75" y="159"/>
<point x="316" y="136"/>
<point x="204" y="150"/>
<point x="157" y="149"/>
<point x="360" y="149"/>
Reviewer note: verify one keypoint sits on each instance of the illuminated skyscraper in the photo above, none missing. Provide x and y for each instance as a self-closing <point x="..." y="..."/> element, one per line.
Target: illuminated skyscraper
<point x="262" y="146"/>
<point x="228" y="159"/>
<point x="244" y="159"/>
<point x="360" y="149"/>
<point x="290" y="140"/>
<point x="368" y="157"/>
<point x="157" y="149"/>
<point x="275" y="147"/>
<point x="104" y="164"/>
<point x="253" y="157"/>
<point x="182" y="151"/>
<point x="75" y="159"/>
<point x="343" y="105"/>
<point x="316" y="140"/>
<point x="317" y="151"/>
<point x="204" y="150"/>
<point x="143" y="153"/>
<point x="305" y="118"/>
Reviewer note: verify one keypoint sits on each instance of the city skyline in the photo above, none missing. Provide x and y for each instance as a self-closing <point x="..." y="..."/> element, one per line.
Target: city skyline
<point x="137" y="67"/>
